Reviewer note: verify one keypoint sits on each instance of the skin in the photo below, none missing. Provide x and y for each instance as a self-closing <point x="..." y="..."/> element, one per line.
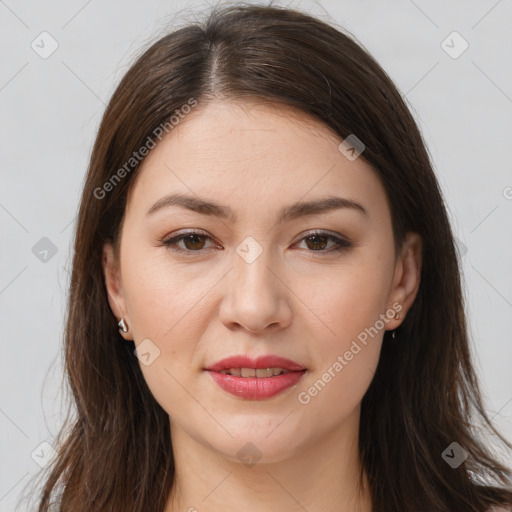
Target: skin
<point x="294" y="301"/>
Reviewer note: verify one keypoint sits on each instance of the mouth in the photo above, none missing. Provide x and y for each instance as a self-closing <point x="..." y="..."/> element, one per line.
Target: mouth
<point x="249" y="367"/>
<point x="259" y="373"/>
<point x="256" y="379"/>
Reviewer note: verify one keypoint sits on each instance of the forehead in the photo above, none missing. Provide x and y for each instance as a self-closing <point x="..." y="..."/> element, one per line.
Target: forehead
<point x="251" y="153"/>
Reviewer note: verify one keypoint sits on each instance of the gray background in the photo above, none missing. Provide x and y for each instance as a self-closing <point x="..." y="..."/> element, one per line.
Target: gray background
<point x="50" y="110"/>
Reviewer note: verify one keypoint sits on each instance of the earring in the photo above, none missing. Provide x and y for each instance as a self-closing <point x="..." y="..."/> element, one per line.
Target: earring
<point x="397" y="317"/>
<point x="122" y="325"/>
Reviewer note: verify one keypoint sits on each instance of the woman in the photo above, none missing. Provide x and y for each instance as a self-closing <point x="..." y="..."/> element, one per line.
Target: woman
<point x="265" y="306"/>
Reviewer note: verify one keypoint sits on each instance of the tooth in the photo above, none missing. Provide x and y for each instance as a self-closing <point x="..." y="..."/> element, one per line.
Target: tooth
<point x="254" y="372"/>
<point x="262" y="372"/>
<point x="248" y="372"/>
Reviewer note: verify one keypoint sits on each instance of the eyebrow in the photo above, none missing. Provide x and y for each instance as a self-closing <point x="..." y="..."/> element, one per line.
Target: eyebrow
<point x="294" y="211"/>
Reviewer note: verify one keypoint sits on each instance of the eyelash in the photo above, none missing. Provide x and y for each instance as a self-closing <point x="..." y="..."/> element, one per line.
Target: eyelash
<point x="341" y="243"/>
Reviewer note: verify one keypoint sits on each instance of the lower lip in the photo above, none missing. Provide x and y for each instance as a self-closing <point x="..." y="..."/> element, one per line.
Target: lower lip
<point x="256" y="388"/>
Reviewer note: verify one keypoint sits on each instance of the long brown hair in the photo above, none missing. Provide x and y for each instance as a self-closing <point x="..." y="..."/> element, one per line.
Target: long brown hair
<point x="114" y="451"/>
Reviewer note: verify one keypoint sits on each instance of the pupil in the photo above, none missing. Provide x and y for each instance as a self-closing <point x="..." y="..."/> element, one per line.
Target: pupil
<point x="193" y="239"/>
<point x="317" y="237"/>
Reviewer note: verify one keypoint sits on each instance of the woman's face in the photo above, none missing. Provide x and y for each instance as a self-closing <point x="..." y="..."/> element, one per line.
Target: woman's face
<point x="256" y="283"/>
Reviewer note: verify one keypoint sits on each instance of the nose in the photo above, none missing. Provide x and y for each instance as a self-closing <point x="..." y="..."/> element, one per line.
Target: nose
<point x="256" y="296"/>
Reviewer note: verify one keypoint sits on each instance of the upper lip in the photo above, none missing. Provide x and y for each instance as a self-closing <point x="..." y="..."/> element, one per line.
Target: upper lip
<point x="269" y="361"/>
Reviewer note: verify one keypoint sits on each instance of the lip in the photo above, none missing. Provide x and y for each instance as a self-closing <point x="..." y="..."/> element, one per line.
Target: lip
<point x="254" y="388"/>
<point x="270" y="361"/>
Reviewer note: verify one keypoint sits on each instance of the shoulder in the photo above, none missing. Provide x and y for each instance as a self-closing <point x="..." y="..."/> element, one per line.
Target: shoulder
<point x="496" y="508"/>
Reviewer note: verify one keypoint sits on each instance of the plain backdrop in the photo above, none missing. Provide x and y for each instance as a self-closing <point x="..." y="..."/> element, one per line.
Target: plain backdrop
<point x="459" y="87"/>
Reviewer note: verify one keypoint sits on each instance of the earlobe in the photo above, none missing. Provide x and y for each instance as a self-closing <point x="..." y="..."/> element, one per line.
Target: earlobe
<point x="113" y="285"/>
<point x="407" y="275"/>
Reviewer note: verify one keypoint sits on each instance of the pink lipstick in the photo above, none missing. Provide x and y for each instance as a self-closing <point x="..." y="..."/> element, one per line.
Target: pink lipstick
<point x="256" y="379"/>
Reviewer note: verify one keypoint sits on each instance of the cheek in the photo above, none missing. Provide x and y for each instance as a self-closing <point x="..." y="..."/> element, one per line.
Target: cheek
<point x="348" y="302"/>
<point x="349" y="338"/>
<point x="170" y="307"/>
<point x="165" y="301"/>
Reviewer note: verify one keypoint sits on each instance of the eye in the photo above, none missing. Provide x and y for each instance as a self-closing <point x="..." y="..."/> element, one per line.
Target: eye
<point x="193" y="241"/>
<point x="316" y="241"/>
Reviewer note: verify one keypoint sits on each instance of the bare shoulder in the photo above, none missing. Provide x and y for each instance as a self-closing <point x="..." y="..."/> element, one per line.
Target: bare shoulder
<point x="499" y="509"/>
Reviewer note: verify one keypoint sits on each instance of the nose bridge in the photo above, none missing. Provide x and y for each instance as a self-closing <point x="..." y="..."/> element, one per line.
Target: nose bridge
<point x="256" y="298"/>
<point x="252" y="275"/>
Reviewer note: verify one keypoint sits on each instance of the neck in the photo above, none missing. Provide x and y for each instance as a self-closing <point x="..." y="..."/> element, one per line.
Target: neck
<point x="323" y="476"/>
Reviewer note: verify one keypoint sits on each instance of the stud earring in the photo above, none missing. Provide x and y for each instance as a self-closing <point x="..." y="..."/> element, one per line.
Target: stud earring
<point x="122" y="325"/>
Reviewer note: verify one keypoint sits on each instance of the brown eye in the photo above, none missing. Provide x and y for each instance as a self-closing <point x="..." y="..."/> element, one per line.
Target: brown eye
<point x="194" y="242"/>
<point x="187" y="242"/>
<point x="319" y="242"/>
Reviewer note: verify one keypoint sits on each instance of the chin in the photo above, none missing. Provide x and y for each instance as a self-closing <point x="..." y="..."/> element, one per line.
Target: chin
<point x="258" y="447"/>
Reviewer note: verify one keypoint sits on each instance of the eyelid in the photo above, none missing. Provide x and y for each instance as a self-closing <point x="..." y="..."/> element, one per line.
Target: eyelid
<point x="189" y="231"/>
<point x="322" y="232"/>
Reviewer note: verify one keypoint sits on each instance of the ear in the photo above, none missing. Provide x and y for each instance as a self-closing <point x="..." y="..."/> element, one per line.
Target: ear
<point x="113" y="284"/>
<point x="406" y="279"/>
